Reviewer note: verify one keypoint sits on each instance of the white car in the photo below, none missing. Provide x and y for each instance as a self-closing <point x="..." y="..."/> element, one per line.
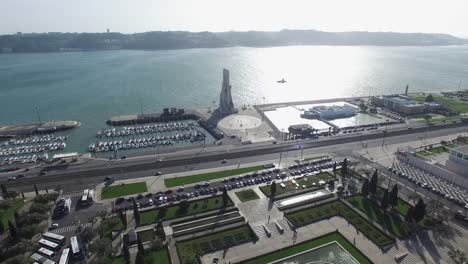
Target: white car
<point x="150" y="202"/>
<point x="53" y="226"/>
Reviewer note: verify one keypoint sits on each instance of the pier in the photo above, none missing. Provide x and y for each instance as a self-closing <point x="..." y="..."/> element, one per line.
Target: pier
<point x="28" y="129"/>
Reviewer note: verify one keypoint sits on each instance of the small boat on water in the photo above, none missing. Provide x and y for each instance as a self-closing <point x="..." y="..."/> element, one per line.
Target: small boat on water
<point x="281" y="81"/>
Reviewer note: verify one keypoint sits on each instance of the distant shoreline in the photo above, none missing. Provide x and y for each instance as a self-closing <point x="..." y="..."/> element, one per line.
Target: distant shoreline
<point x="176" y="40"/>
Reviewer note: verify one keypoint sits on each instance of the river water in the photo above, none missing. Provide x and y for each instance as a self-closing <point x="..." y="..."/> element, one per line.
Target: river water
<point x="93" y="86"/>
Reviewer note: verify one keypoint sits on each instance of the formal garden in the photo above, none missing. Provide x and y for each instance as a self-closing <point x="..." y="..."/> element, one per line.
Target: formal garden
<point x="311" y="244"/>
<point x="189" y="249"/>
<point x="337" y="208"/>
<point x="184" y="208"/>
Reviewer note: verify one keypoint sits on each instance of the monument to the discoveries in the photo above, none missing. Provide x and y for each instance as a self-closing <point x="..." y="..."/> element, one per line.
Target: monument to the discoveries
<point x="226" y="106"/>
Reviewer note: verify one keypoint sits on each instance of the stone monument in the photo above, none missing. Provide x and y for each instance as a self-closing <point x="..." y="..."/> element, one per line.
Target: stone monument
<point x="226" y="106"/>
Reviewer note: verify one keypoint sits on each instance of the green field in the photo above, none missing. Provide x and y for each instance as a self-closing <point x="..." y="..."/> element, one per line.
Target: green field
<point x="146" y="235"/>
<point x="452" y="104"/>
<point x="157" y="256"/>
<point x="436" y="150"/>
<point x="316" y="242"/>
<point x="151" y="257"/>
<point x="175" y="211"/>
<point x="189" y="249"/>
<point x="310" y="182"/>
<point x="373" y="211"/>
<point x="402" y="206"/>
<point x="123" y="190"/>
<point x="337" y="208"/>
<point x="171" y="182"/>
<point x="9" y="214"/>
<point x="247" y="195"/>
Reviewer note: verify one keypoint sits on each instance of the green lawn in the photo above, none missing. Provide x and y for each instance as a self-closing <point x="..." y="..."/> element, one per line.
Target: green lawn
<point x="157" y="257"/>
<point x="325" y="211"/>
<point x="353" y="174"/>
<point x="386" y="220"/>
<point x="146" y="235"/>
<point x="434" y="151"/>
<point x="402" y="206"/>
<point x="123" y="190"/>
<point x="175" y="211"/>
<point x="171" y="182"/>
<point x="189" y="249"/>
<point x="9" y="214"/>
<point x="119" y="260"/>
<point x="247" y="195"/>
<point x="307" y="245"/>
<point x="310" y="182"/>
<point x="452" y="104"/>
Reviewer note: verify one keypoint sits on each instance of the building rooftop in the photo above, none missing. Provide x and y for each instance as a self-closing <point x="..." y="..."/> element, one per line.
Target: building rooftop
<point x="401" y="99"/>
<point x="463" y="149"/>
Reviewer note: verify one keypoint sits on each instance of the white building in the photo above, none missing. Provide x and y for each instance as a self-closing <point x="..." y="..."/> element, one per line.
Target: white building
<point x="458" y="161"/>
<point x="330" y="111"/>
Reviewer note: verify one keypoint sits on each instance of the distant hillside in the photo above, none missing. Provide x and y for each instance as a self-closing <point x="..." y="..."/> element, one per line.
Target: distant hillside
<point x="159" y="40"/>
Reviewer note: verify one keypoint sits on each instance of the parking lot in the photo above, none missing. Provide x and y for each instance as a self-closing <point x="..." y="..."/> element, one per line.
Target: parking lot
<point x="212" y="188"/>
<point x="79" y="215"/>
<point x="436" y="185"/>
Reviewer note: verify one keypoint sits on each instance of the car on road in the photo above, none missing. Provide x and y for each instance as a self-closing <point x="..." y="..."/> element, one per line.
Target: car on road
<point x="158" y="173"/>
<point x="20" y="176"/>
<point x="180" y="189"/>
<point x="224" y="161"/>
<point x="206" y="184"/>
<point x="53" y="226"/>
<point x="150" y="202"/>
<point x="107" y="178"/>
<point x="11" y="178"/>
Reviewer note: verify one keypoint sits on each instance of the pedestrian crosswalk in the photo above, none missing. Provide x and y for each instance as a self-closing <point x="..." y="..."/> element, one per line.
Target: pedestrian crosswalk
<point x="403" y="256"/>
<point x="72" y="194"/>
<point x="260" y="230"/>
<point x="71" y="228"/>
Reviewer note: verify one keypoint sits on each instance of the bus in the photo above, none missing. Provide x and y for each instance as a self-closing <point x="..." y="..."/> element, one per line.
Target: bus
<point x="49" y="244"/>
<point x="67" y="206"/>
<point x="55" y="238"/>
<point x="84" y="198"/>
<point x="46" y="253"/>
<point x="65" y="256"/>
<point x="75" y="247"/>
<point x="40" y="259"/>
<point x="87" y="197"/>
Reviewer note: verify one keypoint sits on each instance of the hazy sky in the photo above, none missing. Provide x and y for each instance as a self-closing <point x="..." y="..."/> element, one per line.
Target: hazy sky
<point x="128" y="16"/>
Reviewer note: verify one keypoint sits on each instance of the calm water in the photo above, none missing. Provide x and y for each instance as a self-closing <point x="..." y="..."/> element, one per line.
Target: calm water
<point x="92" y="86"/>
<point x="331" y="253"/>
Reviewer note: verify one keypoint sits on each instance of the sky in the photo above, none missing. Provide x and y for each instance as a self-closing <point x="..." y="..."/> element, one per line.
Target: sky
<point x="129" y="16"/>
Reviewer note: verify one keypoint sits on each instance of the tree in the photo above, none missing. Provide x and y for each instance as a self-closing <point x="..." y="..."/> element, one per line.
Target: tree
<point x="363" y="107"/>
<point x="2" y="228"/>
<point x="35" y="189"/>
<point x="365" y="188"/>
<point x="13" y="231"/>
<point x="273" y="189"/>
<point x="429" y="98"/>
<point x="4" y="190"/>
<point x="136" y="212"/>
<point x="427" y="117"/>
<point x="393" y="196"/>
<point x="373" y="183"/>
<point x="123" y="218"/>
<point x="225" y="197"/>
<point x="384" y="201"/>
<point x="344" y="167"/>
<point x="409" y="215"/>
<point x="126" y="253"/>
<point x="140" y="246"/>
<point x="457" y="256"/>
<point x="434" y="207"/>
<point x="419" y="211"/>
<point x="140" y="258"/>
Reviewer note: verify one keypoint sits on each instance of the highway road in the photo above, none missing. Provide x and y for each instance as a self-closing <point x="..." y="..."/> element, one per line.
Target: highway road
<point x="77" y="177"/>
